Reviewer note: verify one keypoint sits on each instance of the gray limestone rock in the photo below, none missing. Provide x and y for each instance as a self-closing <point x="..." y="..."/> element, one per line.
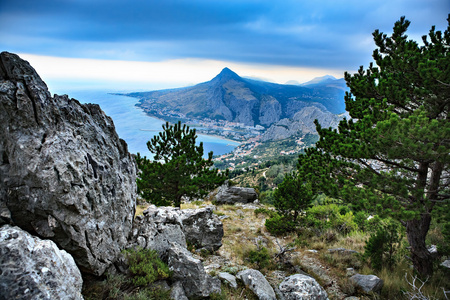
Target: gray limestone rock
<point x="202" y="228"/>
<point x="368" y="283"/>
<point x="177" y="292"/>
<point x="190" y="272"/>
<point x="228" y="194"/>
<point x="302" y="287"/>
<point x="446" y="264"/>
<point x="229" y="279"/>
<point x="157" y="229"/>
<point x="32" y="268"/>
<point x="64" y="173"/>
<point x="257" y="283"/>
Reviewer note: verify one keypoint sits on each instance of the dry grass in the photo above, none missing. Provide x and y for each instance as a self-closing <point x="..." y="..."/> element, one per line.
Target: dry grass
<point x="140" y="209"/>
<point x="243" y="228"/>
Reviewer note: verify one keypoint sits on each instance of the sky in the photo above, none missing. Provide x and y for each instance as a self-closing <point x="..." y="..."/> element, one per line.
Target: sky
<point x="149" y="44"/>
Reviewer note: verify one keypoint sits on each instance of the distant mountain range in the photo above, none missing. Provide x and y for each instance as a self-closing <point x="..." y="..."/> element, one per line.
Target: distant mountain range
<point x="251" y="102"/>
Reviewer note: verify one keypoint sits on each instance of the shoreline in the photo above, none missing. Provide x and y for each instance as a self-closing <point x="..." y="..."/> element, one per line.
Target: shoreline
<point x="192" y="125"/>
<point x="222" y="138"/>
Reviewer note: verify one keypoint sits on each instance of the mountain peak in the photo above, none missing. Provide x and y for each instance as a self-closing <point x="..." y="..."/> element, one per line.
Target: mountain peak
<point x="227" y="74"/>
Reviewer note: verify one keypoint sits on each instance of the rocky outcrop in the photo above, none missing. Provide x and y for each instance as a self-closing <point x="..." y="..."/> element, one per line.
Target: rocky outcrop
<point x="202" y="228"/>
<point x="368" y="283"/>
<point x="32" y="268"/>
<point x="157" y="229"/>
<point x="64" y="173"/>
<point x="302" y="123"/>
<point x="166" y="229"/>
<point x="228" y="194"/>
<point x="302" y="287"/>
<point x="190" y="272"/>
<point x="257" y="283"/>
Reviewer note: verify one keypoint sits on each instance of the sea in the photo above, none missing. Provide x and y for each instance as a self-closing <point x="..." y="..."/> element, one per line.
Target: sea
<point x="136" y="127"/>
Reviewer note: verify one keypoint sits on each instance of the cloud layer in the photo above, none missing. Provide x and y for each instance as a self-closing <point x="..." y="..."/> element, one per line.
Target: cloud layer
<point x="314" y="34"/>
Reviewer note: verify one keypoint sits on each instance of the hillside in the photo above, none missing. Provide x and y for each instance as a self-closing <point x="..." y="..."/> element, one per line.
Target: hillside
<point x="229" y="97"/>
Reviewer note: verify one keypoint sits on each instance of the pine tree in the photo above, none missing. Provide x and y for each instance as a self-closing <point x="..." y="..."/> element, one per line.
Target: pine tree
<point x="292" y="196"/>
<point x="392" y="157"/>
<point x="178" y="168"/>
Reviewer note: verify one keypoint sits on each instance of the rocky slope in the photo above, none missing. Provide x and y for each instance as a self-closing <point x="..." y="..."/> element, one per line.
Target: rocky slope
<point x="64" y="173"/>
<point x="235" y="99"/>
<point x="302" y="123"/>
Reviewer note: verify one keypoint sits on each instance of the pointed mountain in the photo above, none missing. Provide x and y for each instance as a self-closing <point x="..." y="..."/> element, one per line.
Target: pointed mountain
<point x="235" y="99"/>
<point x="227" y="74"/>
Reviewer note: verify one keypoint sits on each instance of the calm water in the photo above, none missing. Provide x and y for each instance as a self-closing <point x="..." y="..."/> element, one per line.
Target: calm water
<point x="135" y="127"/>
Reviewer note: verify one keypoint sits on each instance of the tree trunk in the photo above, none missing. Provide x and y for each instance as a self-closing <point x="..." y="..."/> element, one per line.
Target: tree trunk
<point x="178" y="201"/>
<point x="416" y="231"/>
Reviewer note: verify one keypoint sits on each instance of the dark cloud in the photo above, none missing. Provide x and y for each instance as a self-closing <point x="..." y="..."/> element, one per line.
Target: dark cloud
<point x="324" y="33"/>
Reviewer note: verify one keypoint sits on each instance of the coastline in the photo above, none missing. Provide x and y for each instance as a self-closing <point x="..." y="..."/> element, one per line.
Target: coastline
<point x="222" y="138"/>
<point x="192" y="125"/>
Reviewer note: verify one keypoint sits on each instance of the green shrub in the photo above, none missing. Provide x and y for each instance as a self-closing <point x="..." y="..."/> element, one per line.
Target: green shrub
<point x="145" y="266"/>
<point x="266" y="197"/>
<point x="360" y="219"/>
<point x="260" y="257"/>
<point x="279" y="225"/>
<point x="382" y="245"/>
<point x="323" y="217"/>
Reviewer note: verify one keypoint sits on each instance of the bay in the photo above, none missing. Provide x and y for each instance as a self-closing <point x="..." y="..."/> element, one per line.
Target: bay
<point x="135" y="127"/>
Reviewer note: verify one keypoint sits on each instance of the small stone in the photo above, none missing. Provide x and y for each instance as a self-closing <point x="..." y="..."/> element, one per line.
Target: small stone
<point x="368" y="283"/>
<point x="302" y="287"/>
<point x="257" y="283"/>
<point x="229" y="279"/>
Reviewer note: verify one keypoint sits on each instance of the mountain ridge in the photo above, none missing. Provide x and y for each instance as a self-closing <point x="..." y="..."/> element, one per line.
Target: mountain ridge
<point x="229" y="97"/>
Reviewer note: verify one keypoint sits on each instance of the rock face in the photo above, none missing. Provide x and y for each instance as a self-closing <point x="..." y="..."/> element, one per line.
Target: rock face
<point x="302" y="123"/>
<point x="233" y="194"/>
<point x="257" y="283"/>
<point x="202" y="228"/>
<point x="190" y="272"/>
<point x="302" y="287"/>
<point x="369" y="283"/>
<point x="32" y="268"/>
<point x="157" y="229"/>
<point x="64" y="173"/>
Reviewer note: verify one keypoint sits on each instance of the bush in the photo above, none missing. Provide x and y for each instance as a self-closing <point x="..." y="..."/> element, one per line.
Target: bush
<point x="146" y="267"/>
<point x="260" y="257"/>
<point x="279" y="225"/>
<point x="382" y="246"/>
<point x="266" y="197"/>
<point x="323" y="217"/>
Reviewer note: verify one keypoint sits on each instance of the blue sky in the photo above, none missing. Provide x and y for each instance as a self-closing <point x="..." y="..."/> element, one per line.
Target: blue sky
<point x="166" y="43"/>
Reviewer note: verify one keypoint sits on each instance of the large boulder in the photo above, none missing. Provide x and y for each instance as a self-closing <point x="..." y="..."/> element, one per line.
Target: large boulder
<point x="202" y="228"/>
<point x="368" y="283"/>
<point x="191" y="273"/>
<point x="302" y="287"/>
<point x="31" y="268"/>
<point x="64" y="173"/>
<point x="157" y="229"/>
<point x="228" y="194"/>
<point x="257" y="283"/>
